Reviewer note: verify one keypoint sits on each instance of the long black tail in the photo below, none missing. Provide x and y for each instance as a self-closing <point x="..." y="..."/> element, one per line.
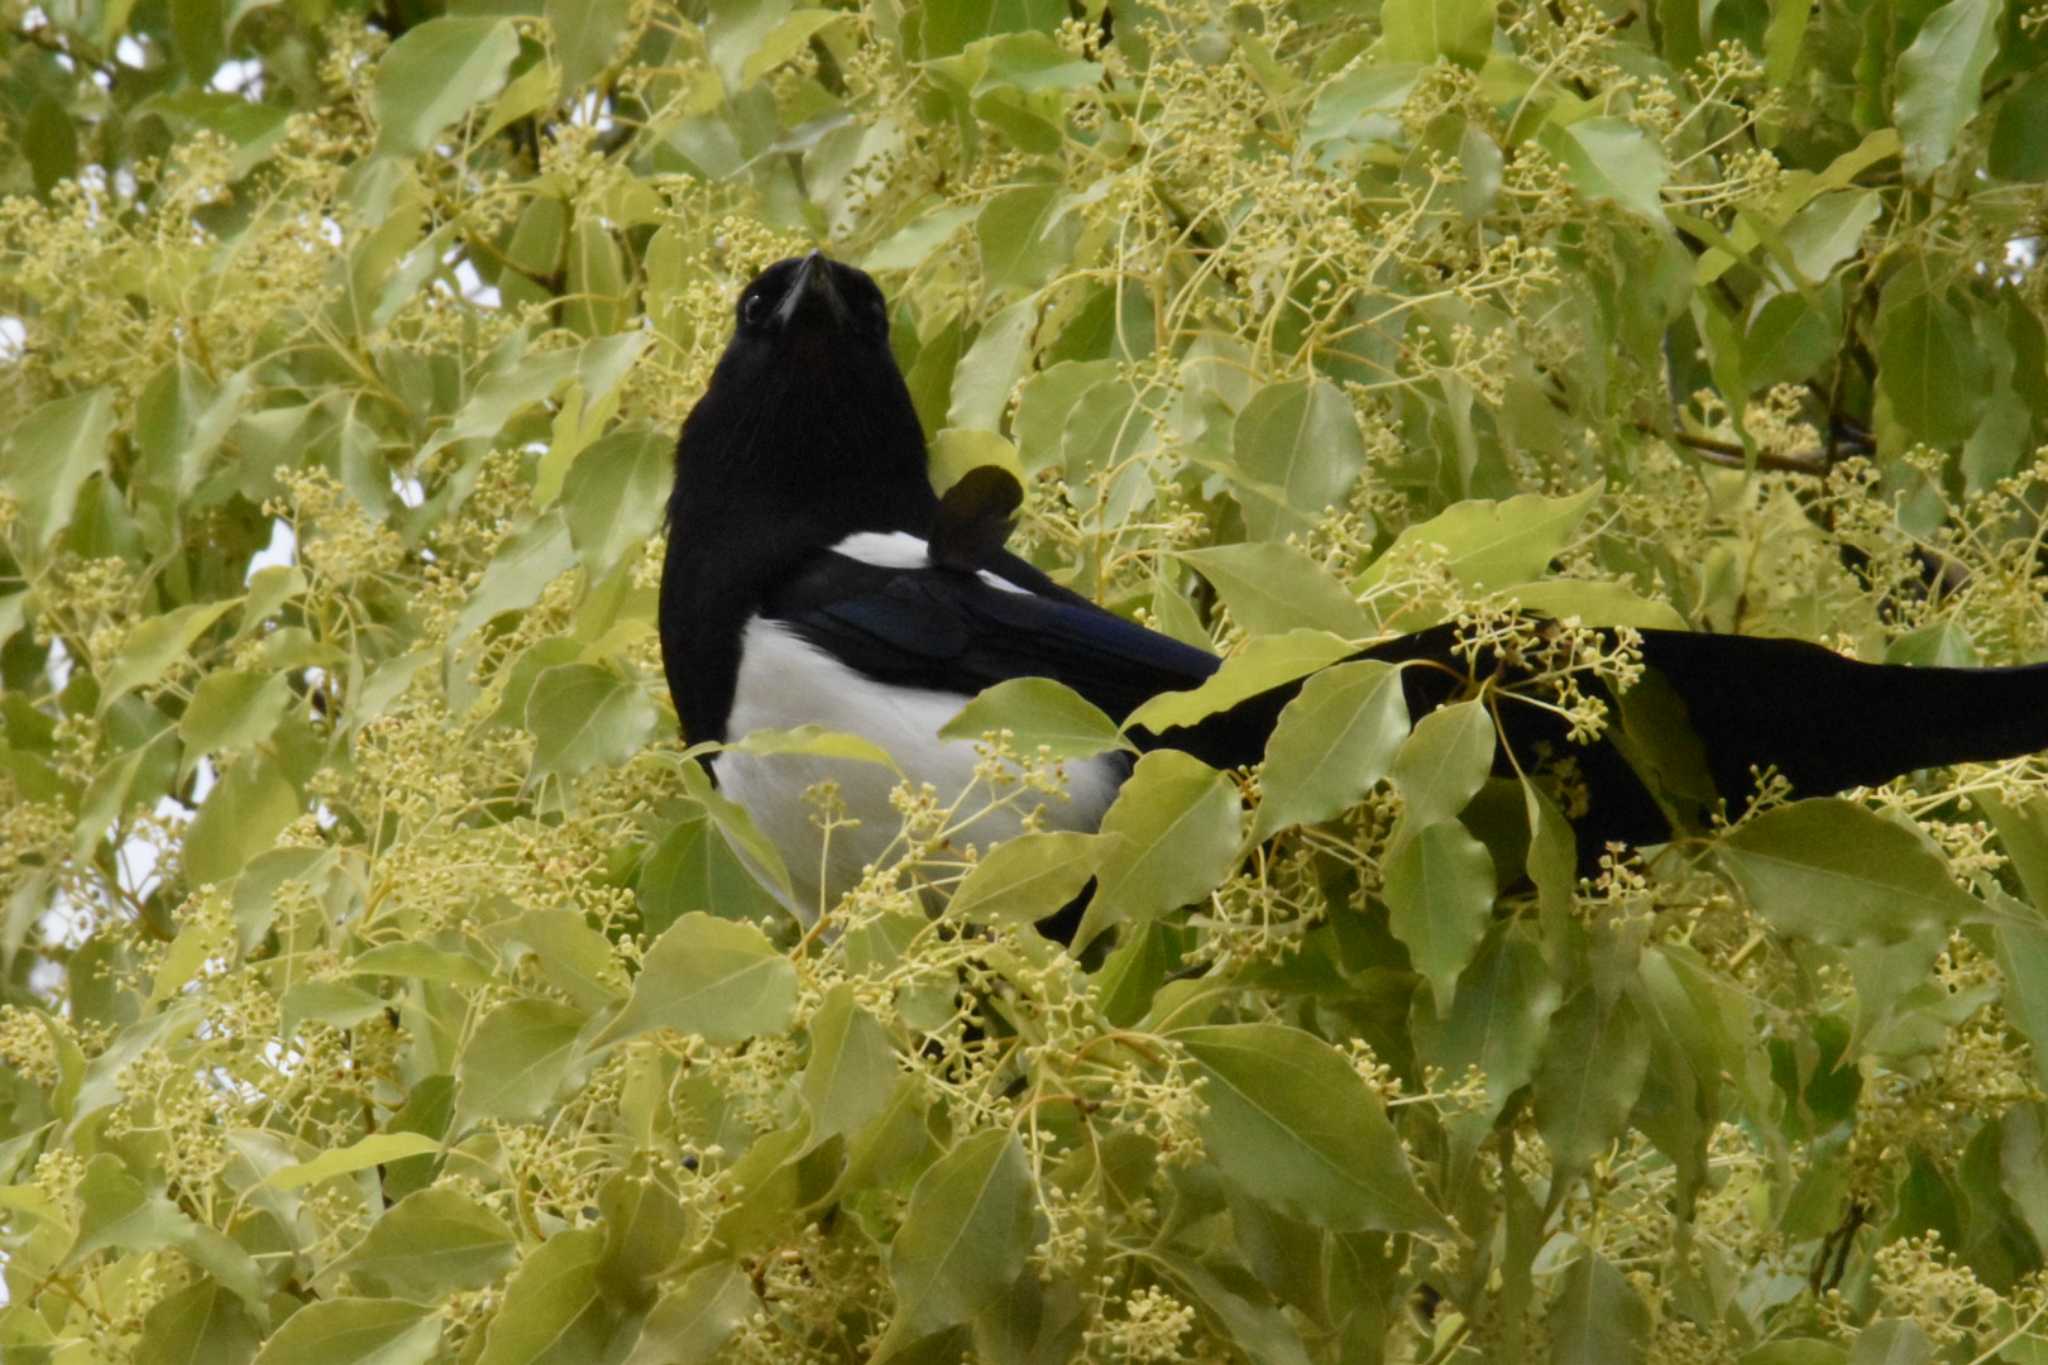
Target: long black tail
<point x="1826" y="723"/>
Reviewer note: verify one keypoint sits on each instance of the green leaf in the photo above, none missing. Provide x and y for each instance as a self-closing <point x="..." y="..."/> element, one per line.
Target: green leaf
<point x="587" y="36"/>
<point x="1333" y="743"/>
<point x="1892" y="1341"/>
<point x="575" y="958"/>
<point x="1043" y="717"/>
<point x="434" y="74"/>
<point x="1424" y="30"/>
<point x="1829" y="230"/>
<point x="422" y="961"/>
<point x="950" y="27"/>
<point x="1024" y="238"/>
<point x="695" y="867"/>
<point x="1263" y="663"/>
<point x="1361" y="105"/>
<point x="1177" y="820"/>
<point x="1491" y="544"/>
<point x="2019" y="140"/>
<point x="1044" y="403"/>
<point x="360" y="1155"/>
<point x="244" y="813"/>
<point x="50" y="454"/>
<point x="517" y="574"/>
<point x="1612" y="160"/>
<point x="201" y="1324"/>
<point x="1929" y="364"/>
<point x="712" y="977"/>
<point x="1833" y="872"/>
<point x="153" y="646"/>
<point x="1028" y="877"/>
<point x="355" y="1332"/>
<point x="431" y="1243"/>
<point x="518" y="1059"/>
<point x="1941" y="80"/>
<point x="583" y="717"/>
<point x="1271" y="588"/>
<point x="614" y="495"/>
<point x="1107" y="427"/>
<point x="232" y="710"/>
<point x="1439" y="890"/>
<point x="2023" y="962"/>
<point x="956" y="451"/>
<point x="334" y="1003"/>
<point x="1498" y="1022"/>
<point x="965" y="1237"/>
<point x="998" y="357"/>
<point x="693" y="1321"/>
<point x="1441" y="765"/>
<point x="1292" y="1122"/>
<point x="1592" y="1071"/>
<point x="1599" y="1319"/>
<point x="1301" y="438"/>
<point x="852" y="1067"/>
<point x="554" y="1311"/>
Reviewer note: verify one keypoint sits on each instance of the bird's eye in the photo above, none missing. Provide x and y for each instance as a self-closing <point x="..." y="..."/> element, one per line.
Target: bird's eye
<point x="754" y="308"/>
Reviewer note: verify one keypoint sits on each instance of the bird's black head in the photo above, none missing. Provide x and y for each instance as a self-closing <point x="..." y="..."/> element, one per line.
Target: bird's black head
<point x="812" y="300"/>
<point x="806" y="432"/>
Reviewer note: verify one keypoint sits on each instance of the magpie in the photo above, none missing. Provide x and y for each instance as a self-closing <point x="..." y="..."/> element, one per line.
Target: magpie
<point x="813" y="576"/>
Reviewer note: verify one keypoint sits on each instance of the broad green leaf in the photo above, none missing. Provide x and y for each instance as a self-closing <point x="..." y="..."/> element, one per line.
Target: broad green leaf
<point x="646" y="1228"/>
<point x="1595" y="603"/>
<point x="1599" y="1319"/>
<point x="232" y="710"/>
<point x="1592" y="1071"/>
<point x="423" y="961"/>
<point x="915" y="241"/>
<point x="965" y="1237"/>
<point x="1443" y="762"/>
<point x="1829" y="229"/>
<point x="1042" y="715"/>
<point x="813" y="741"/>
<point x="1491" y="544"/>
<point x="1177" y="822"/>
<point x="200" y="1323"/>
<point x="118" y="1212"/>
<point x="1424" y="30"/>
<point x="355" y="1332"/>
<point x="1301" y="438"/>
<point x="1789" y="340"/>
<point x="1290" y="1121"/>
<point x="248" y="807"/>
<point x="1929" y="364"/>
<point x="2019" y="140"/>
<point x="1260" y="1328"/>
<point x="575" y="958"/>
<point x="1334" y="743"/>
<point x="360" y="1155"/>
<point x="582" y="717"/>
<point x="1499" y="1021"/>
<point x="1941" y="80"/>
<point x="1266" y="662"/>
<point x="434" y="73"/>
<point x="1893" y="1341"/>
<point x="50" y="454"/>
<point x="1028" y="877"/>
<point x="336" y="1004"/>
<point x="2023" y="962"/>
<point x="554" y="1310"/>
<point x="1046" y="400"/>
<point x="516" y="576"/>
<point x="692" y="1322"/>
<point x="695" y="867"/>
<point x="1611" y="159"/>
<point x="1439" y="892"/>
<point x="1106" y="427"/>
<point x="587" y="35"/>
<point x="430" y="1243"/>
<point x="153" y="646"/>
<point x="518" y="1058"/>
<point x="1270" y="588"/>
<point x="1024" y="238"/>
<point x="852" y="1067"/>
<point x="1362" y="105"/>
<point x="613" y="495"/>
<point x="950" y="27"/>
<point x="712" y="977"/>
<point x="997" y="358"/>
<point x="1834" y="872"/>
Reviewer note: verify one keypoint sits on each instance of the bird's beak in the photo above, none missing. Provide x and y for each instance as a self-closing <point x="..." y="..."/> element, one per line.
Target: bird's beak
<point x="813" y="293"/>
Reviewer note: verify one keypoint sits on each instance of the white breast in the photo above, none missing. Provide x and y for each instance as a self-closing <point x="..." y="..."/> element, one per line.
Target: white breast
<point x="783" y="683"/>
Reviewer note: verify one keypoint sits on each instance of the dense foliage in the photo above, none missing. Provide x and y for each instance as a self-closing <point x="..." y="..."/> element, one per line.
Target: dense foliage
<point x="380" y="979"/>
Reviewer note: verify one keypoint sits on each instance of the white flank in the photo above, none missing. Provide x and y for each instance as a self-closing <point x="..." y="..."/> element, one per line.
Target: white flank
<point x="902" y="550"/>
<point x="785" y="682"/>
